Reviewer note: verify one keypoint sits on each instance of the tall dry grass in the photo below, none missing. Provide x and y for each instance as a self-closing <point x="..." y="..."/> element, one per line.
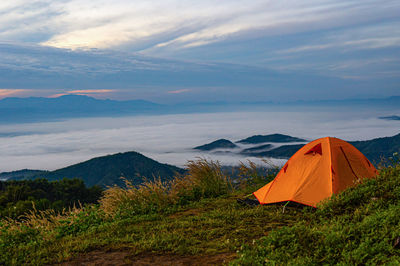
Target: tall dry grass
<point x="203" y="179"/>
<point x="251" y="174"/>
<point x="132" y="199"/>
<point x="208" y="178"/>
<point x="42" y="220"/>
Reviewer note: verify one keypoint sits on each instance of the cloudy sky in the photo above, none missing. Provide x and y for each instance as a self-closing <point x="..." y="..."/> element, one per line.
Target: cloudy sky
<point x="166" y="50"/>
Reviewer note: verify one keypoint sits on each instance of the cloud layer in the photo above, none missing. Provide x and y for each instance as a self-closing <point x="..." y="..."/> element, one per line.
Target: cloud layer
<point x="354" y="40"/>
<point x="178" y="28"/>
<point x="46" y="71"/>
<point x="169" y="138"/>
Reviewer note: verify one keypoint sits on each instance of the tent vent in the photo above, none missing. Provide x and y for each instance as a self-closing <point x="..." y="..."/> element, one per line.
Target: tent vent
<point x="285" y="168"/>
<point x="314" y="150"/>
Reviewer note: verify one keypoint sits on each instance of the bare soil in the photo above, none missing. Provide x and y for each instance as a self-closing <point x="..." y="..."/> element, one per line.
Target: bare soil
<point x="95" y="258"/>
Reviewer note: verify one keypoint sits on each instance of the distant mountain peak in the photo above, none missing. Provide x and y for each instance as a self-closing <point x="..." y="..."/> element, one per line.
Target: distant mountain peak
<point x="108" y="170"/>
<point x="218" y="144"/>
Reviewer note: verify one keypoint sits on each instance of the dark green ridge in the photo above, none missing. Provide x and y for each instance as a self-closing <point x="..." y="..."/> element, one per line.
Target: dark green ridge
<point x="256" y="149"/>
<point x="218" y="144"/>
<point x="374" y="149"/>
<point x="270" y="138"/>
<point x="108" y="170"/>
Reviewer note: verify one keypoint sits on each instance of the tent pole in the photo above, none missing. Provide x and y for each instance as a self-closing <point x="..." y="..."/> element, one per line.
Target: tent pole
<point x="284" y="206"/>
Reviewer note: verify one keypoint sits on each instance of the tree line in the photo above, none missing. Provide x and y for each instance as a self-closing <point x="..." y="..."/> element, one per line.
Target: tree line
<point x="19" y="197"/>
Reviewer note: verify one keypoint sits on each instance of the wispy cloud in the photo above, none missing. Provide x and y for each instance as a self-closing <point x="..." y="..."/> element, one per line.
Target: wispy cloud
<point x="179" y="91"/>
<point x="376" y="36"/>
<point x="101" y="34"/>
<point x="11" y="92"/>
<point x="176" y="24"/>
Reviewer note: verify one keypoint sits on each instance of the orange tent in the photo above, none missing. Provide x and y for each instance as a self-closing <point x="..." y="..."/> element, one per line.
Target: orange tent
<point x="321" y="168"/>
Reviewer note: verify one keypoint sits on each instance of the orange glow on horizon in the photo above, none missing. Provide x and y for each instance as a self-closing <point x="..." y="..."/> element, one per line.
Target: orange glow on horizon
<point x="10" y="92"/>
<point x="81" y="92"/>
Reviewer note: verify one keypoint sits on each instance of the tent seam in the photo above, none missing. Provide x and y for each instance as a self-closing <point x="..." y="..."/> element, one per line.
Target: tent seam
<point x="330" y="164"/>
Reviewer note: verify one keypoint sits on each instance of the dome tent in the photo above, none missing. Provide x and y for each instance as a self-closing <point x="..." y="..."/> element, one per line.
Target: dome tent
<point x="319" y="169"/>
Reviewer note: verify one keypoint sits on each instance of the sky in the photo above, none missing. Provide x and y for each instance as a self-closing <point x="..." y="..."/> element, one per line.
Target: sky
<point x="177" y="51"/>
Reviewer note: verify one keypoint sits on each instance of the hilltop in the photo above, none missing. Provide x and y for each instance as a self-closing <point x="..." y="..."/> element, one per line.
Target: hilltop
<point x="108" y="170"/>
<point x="198" y="219"/>
<point x="253" y="140"/>
<point x="256" y="139"/>
<point x="218" y="144"/>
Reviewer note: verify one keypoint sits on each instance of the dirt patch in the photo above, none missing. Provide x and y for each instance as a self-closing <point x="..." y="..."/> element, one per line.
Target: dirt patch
<point x="97" y="258"/>
<point x="219" y="259"/>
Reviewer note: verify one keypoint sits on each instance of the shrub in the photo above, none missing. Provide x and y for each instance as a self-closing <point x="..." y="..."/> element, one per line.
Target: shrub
<point x="19" y="197"/>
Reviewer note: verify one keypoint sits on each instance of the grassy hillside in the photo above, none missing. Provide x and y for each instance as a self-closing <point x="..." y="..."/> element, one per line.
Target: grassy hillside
<point x="357" y="227"/>
<point x="196" y="217"/>
<point x="108" y="170"/>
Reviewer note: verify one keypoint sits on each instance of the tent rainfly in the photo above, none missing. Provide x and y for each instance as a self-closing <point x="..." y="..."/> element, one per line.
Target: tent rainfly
<point x="319" y="169"/>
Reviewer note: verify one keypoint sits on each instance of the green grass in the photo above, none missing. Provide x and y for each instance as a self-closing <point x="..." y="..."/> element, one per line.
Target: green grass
<point x="358" y="226"/>
<point x="208" y="226"/>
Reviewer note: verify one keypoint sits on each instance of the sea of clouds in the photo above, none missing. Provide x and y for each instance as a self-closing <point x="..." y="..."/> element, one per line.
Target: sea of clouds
<point x="170" y="138"/>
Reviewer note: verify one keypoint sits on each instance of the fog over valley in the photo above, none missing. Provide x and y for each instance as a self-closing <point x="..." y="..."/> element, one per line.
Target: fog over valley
<point x="171" y="138"/>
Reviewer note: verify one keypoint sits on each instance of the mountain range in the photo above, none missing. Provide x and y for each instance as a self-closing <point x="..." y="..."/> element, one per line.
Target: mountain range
<point x="69" y="106"/>
<point x="374" y="149"/>
<point x="33" y="109"/>
<point x="256" y="139"/>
